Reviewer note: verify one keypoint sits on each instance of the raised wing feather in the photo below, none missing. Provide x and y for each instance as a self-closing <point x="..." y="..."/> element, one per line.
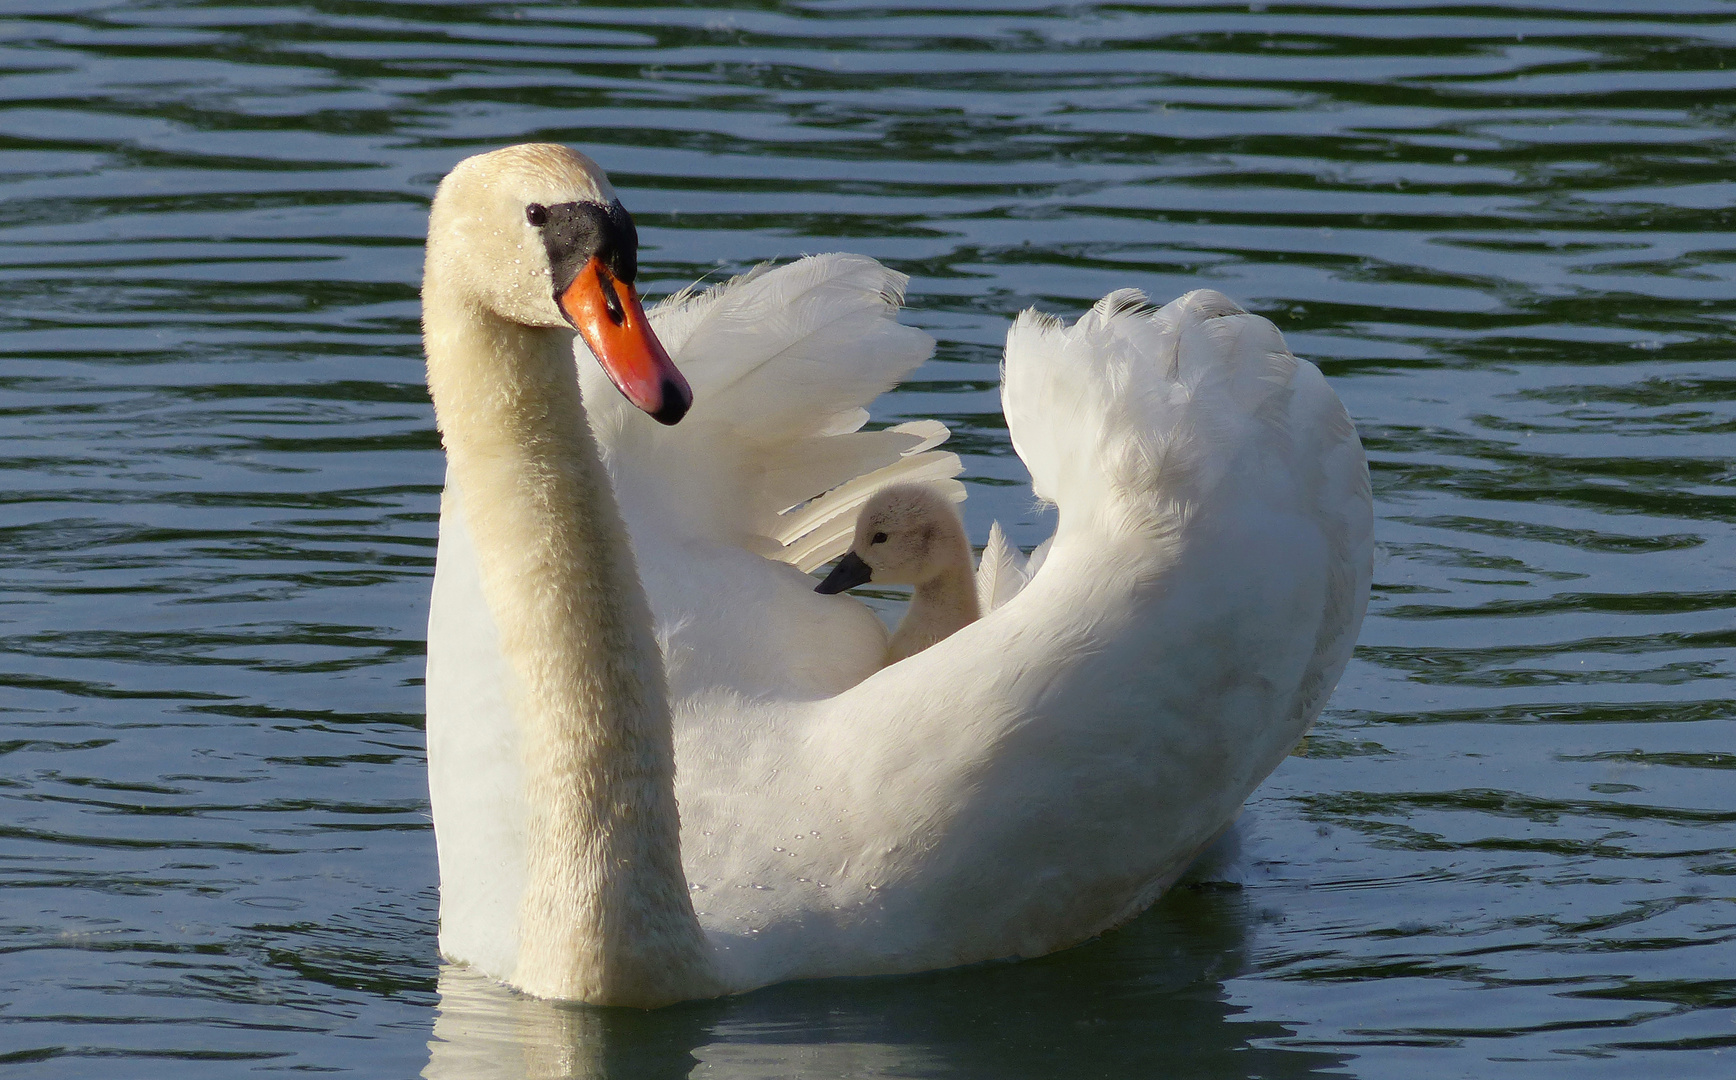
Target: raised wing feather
<point x="1001" y="571"/>
<point x="781" y="361"/>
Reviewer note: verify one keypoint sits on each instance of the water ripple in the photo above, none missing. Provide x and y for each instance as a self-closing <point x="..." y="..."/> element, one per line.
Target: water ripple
<point x="1504" y="230"/>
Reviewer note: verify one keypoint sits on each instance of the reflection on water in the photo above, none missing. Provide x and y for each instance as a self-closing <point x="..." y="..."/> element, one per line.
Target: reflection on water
<point x="1146" y="1000"/>
<point x="1505" y="231"/>
<point x="484" y="1032"/>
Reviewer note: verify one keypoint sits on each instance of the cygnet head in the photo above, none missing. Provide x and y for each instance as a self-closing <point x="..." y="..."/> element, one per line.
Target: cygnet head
<point x="907" y="534"/>
<point x="535" y="235"/>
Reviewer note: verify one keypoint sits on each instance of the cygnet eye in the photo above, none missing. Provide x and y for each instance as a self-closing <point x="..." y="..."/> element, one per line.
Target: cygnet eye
<point x="537" y="214"/>
<point x="879" y="538"/>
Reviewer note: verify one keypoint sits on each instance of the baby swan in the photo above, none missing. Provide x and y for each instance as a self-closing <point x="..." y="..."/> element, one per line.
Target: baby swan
<point x="909" y="534"/>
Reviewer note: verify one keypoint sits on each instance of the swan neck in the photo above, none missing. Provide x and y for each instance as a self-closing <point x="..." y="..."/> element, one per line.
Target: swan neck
<point x="605" y="915"/>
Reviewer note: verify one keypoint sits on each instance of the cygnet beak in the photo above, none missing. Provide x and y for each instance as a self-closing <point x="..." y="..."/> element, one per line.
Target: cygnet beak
<point x="850" y="572"/>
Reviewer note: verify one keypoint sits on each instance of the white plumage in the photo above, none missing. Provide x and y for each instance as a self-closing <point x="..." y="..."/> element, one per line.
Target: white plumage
<point x="1046" y="772"/>
<point x="1032" y="780"/>
<point x="769" y="462"/>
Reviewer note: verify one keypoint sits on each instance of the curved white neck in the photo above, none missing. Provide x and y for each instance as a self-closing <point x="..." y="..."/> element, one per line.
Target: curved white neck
<point x="605" y="917"/>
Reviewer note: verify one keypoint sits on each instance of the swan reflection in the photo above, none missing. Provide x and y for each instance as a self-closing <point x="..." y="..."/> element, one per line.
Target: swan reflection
<point x="1148" y="999"/>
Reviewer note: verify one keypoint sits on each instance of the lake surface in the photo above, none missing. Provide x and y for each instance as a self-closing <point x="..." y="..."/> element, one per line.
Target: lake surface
<point x="1504" y="231"/>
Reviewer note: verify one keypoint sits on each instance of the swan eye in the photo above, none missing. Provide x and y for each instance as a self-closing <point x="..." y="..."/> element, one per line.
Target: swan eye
<point x="879" y="538"/>
<point x="537" y="214"/>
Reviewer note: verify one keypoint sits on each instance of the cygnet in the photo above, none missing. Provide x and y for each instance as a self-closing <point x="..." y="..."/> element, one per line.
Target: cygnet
<point x="908" y="534"/>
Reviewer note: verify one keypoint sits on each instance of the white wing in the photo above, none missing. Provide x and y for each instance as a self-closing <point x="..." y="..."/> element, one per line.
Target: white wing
<point x="769" y="464"/>
<point x="1045" y="772"/>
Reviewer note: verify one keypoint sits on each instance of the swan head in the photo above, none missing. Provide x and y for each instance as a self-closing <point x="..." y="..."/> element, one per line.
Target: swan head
<point x="536" y="235"/>
<point x="906" y="534"/>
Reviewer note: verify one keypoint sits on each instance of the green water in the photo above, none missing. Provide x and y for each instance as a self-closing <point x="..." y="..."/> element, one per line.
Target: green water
<point x="1504" y="231"/>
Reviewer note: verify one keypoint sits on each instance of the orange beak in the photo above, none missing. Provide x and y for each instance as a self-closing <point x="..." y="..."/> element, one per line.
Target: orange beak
<point x="607" y="314"/>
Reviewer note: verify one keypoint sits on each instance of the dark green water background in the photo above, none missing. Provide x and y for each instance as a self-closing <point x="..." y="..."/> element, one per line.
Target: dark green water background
<point x="1504" y="231"/>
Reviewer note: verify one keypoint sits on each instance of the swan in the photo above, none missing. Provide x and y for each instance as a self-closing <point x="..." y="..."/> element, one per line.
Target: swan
<point x="662" y="767"/>
<point x="910" y="534"/>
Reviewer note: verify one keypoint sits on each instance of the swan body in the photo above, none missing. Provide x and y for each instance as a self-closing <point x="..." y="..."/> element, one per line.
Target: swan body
<point x="1035" y="778"/>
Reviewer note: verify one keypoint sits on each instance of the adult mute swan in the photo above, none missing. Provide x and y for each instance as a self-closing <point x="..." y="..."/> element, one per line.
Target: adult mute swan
<point x="1034" y="779"/>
